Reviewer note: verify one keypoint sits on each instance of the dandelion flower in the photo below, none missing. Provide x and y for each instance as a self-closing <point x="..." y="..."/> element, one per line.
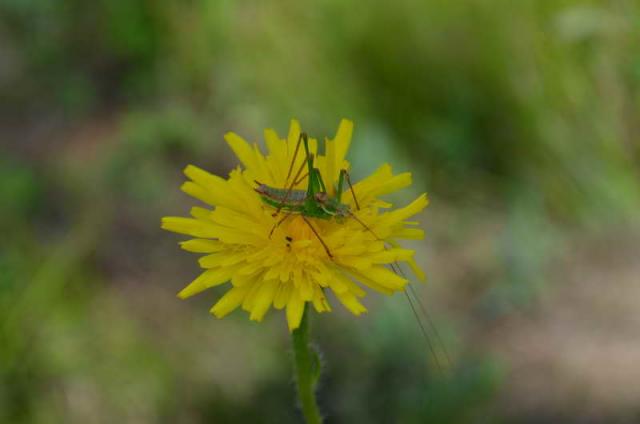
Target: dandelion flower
<point x="285" y="266"/>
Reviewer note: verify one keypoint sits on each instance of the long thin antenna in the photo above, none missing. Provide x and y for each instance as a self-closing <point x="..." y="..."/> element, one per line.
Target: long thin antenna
<point x="424" y="332"/>
<point x="427" y="339"/>
<point x="398" y="270"/>
<point x="430" y="322"/>
<point x="295" y="156"/>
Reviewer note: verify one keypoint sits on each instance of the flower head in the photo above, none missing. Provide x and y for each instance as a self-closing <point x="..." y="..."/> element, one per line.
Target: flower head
<point x="285" y="258"/>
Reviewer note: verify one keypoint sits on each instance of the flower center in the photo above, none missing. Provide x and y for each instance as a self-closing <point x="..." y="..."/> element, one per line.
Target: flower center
<point x="298" y="229"/>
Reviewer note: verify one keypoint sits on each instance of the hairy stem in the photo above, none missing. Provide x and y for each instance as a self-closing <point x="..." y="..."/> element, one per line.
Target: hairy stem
<point x="307" y="368"/>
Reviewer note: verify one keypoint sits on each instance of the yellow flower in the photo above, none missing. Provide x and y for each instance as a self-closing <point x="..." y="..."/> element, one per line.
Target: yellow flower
<point x="291" y="266"/>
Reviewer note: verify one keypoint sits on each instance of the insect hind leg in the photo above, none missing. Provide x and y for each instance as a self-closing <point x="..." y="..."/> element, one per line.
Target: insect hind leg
<point x="326" y="248"/>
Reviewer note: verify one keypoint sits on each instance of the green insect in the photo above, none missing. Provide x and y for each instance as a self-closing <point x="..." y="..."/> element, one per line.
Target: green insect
<point x="315" y="202"/>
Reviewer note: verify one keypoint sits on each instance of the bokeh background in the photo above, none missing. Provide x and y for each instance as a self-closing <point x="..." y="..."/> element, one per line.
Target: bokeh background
<point x="519" y="118"/>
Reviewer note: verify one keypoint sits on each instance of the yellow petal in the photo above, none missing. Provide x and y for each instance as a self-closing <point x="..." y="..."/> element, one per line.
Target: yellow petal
<point x="230" y="301"/>
<point x="381" y="182"/>
<point x="234" y="235"/>
<point x="417" y="270"/>
<point x="242" y="149"/>
<point x="212" y="189"/>
<point x="263" y="300"/>
<point x="397" y="182"/>
<point x="342" y="141"/>
<point x="209" y="278"/>
<point x="221" y="259"/>
<point x="320" y="302"/>
<point x="363" y="279"/>
<point x="277" y="156"/>
<point x="202" y="246"/>
<point x="240" y="279"/>
<point x="390" y="255"/>
<point x="305" y="288"/>
<point x="401" y="214"/>
<point x="282" y="295"/>
<point x="351" y="303"/>
<point x="199" y="192"/>
<point x="386" y="277"/>
<point x="238" y="221"/>
<point x="189" y="226"/>
<point x="200" y="213"/>
<point x="250" y="298"/>
<point x="295" y="308"/>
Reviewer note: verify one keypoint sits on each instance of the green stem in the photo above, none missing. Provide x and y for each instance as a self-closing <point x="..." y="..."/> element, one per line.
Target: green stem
<point x="307" y="367"/>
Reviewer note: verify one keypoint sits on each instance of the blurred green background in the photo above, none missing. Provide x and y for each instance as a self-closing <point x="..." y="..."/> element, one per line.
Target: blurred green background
<point x="520" y="118"/>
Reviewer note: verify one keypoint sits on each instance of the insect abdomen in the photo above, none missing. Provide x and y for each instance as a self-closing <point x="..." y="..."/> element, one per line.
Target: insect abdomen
<point x="285" y="196"/>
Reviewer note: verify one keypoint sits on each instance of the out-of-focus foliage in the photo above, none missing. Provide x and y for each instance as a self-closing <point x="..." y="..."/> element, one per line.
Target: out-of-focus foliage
<point x="519" y="118"/>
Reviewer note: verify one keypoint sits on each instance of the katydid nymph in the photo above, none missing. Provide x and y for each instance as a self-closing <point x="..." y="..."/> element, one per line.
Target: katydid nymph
<point x="315" y="202"/>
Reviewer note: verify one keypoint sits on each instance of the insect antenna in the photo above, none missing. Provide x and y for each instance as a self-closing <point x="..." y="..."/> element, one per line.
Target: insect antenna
<point x="424" y="332"/>
<point x="395" y="267"/>
<point x="426" y="314"/>
<point x="398" y="270"/>
<point x="295" y="155"/>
